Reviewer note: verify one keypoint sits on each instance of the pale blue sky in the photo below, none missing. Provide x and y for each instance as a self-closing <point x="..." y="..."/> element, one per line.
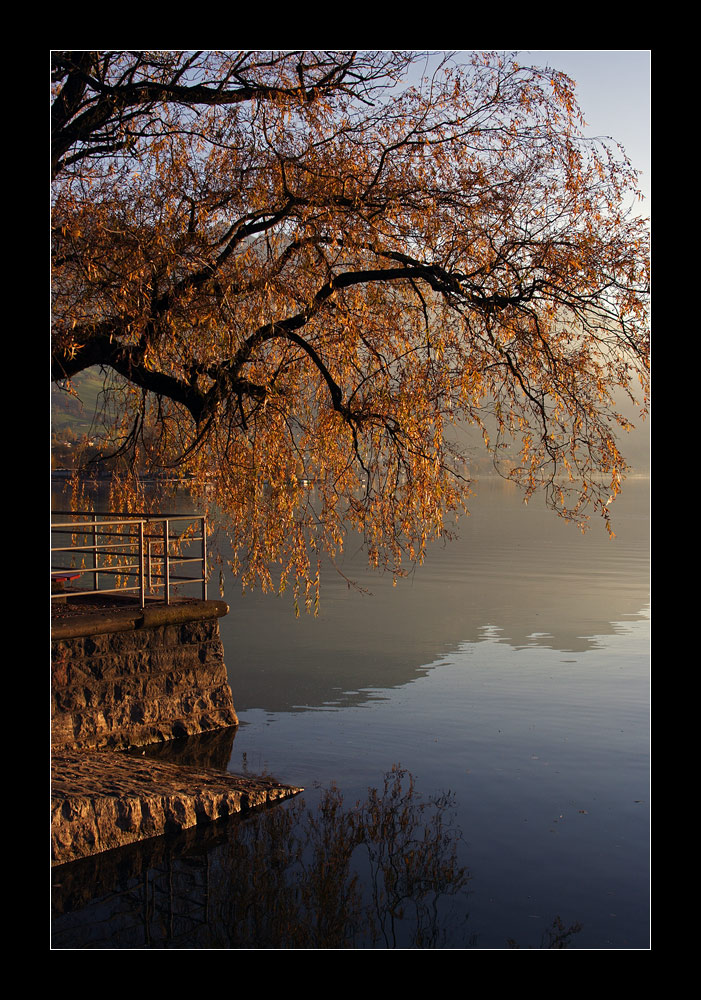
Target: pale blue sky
<point x="613" y="90"/>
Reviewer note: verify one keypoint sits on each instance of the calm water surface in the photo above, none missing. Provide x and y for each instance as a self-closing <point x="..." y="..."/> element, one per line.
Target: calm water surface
<point x="506" y="683"/>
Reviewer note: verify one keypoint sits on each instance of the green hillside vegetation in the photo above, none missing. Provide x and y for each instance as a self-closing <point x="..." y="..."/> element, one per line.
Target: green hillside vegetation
<point x="78" y="434"/>
<point x="75" y="414"/>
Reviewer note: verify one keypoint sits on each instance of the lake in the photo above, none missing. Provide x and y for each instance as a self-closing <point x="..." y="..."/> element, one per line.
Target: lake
<point x="473" y="744"/>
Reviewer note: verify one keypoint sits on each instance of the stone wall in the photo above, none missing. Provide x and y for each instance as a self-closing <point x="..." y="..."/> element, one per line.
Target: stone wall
<point x="124" y="677"/>
<point x="148" y="679"/>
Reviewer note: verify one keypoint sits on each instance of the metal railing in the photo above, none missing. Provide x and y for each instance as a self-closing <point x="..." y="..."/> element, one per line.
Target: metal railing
<point x="146" y="555"/>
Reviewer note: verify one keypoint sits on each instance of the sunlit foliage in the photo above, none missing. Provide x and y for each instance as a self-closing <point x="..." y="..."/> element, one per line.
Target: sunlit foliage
<point x="318" y="267"/>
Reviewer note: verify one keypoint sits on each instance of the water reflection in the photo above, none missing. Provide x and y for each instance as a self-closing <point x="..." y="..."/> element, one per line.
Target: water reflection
<point x="383" y="873"/>
<point x="203" y="750"/>
<point x="512" y="669"/>
<point x="514" y="571"/>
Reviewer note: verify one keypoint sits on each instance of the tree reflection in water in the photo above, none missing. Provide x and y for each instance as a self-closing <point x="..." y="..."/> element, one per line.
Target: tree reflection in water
<point x="381" y="873"/>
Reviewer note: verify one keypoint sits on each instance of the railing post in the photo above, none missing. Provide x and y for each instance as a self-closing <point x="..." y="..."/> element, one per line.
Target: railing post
<point x="166" y="564"/>
<point x="95" y="585"/>
<point x="142" y="590"/>
<point x="203" y="521"/>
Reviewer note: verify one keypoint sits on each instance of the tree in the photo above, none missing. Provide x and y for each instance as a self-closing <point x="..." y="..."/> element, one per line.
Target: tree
<point x="299" y="266"/>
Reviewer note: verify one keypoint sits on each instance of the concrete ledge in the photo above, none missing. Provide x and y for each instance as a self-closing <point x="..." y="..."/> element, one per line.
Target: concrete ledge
<point x="104" y="800"/>
<point x="81" y="619"/>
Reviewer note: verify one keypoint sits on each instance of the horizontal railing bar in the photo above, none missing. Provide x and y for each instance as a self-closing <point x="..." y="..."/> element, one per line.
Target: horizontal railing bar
<point x="127" y="570"/>
<point x="116" y="519"/>
<point x="107" y="591"/>
<point x="110" y="549"/>
<point x="155" y="557"/>
<point x="123" y="518"/>
<point x="158" y="536"/>
<point x="175" y="581"/>
<point x="123" y="513"/>
<point x="93" y="593"/>
<point x="67" y="526"/>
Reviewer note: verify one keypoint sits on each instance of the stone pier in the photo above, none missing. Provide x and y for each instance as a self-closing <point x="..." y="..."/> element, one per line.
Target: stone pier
<point x="126" y="677"/>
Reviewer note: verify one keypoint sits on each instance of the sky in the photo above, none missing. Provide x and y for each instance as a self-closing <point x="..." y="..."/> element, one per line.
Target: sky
<point x="613" y="91"/>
